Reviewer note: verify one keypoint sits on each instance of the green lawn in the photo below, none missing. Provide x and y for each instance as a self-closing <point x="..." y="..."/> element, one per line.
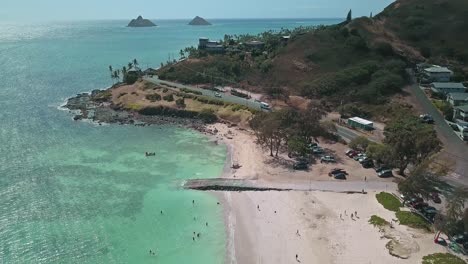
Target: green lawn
<point x="389" y="201"/>
<point x="412" y="220"/>
<point x="377" y="221"/>
<point x="442" y="258"/>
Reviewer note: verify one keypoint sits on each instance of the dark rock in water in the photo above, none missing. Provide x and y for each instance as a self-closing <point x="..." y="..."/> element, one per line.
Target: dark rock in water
<point x="198" y="21"/>
<point x="141" y="22"/>
<point x="78" y="117"/>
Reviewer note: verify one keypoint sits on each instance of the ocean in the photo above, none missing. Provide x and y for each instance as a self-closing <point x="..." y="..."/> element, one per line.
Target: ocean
<point x="76" y="192"/>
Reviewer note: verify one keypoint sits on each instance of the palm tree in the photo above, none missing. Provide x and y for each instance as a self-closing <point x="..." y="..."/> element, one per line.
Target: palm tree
<point x="135" y="62"/>
<point x="111" y="72"/>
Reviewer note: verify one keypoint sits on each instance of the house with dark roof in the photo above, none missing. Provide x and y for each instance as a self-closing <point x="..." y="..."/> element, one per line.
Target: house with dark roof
<point x="457" y="99"/>
<point x="210" y="45"/>
<point x="460" y="113"/>
<point x="447" y="87"/>
<point x="438" y="73"/>
<point x="254" y="45"/>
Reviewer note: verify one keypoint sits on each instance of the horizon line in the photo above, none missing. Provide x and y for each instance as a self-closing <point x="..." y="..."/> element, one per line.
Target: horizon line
<point x="168" y="19"/>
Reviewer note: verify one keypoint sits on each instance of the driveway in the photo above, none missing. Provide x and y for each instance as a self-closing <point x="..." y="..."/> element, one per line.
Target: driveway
<point x="454" y="149"/>
<point x="225" y="97"/>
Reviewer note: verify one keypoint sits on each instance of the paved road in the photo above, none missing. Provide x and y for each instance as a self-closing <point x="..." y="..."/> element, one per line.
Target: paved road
<point x="225" y="97"/>
<point x="346" y="133"/>
<point x="454" y="148"/>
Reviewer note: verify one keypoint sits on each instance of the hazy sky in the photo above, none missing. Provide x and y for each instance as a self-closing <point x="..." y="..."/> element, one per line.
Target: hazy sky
<point x="45" y="10"/>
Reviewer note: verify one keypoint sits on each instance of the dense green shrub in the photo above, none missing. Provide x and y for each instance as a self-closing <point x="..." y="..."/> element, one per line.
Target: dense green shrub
<point x="169" y="97"/>
<point x="389" y="201"/>
<point x="180" y="102"/>
<point x="153" y="97"/>
<point x="185" y="90"/>
<point x="130" y="78"/>
<point x="208" y="116"/>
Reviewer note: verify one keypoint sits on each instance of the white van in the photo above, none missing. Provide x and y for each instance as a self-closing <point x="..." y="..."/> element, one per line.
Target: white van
<point x="265" y="106"/>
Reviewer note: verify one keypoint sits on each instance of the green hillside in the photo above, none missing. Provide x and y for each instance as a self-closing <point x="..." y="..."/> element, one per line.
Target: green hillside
<point x="355" y="63"/>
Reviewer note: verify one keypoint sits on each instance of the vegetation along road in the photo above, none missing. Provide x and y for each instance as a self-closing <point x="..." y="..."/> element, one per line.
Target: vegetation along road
<point x="454" y="149"/>
<point x="225" y="97"/>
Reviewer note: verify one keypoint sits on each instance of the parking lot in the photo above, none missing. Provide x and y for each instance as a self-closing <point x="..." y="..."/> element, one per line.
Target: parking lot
<point x="355" y="171"/>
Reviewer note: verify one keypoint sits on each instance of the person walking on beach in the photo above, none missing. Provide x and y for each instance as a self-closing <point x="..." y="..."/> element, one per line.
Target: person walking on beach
<point x="258" y="207"/>
<point x="365" y="178"/>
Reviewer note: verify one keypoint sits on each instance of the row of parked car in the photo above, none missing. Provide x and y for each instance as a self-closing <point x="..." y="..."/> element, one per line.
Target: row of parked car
<point x="366" y="162"/>
<point x="314" y="148"/>
<point x="418" y="204"/>
<point x="430" y="212"/>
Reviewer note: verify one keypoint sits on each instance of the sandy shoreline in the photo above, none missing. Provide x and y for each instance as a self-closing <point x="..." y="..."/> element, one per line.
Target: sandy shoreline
<point x="272" y="227"/>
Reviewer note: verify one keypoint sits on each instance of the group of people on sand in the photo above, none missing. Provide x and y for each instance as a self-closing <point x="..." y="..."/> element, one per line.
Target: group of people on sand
<point x="353" y="215"/>
<point x="148" y="154"/>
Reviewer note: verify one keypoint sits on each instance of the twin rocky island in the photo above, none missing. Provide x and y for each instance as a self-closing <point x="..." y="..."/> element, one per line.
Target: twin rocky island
<point x="141" y="22"/>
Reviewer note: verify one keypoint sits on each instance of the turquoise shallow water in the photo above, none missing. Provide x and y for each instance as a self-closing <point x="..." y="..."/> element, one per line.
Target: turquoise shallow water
<point x="74" y="192"/>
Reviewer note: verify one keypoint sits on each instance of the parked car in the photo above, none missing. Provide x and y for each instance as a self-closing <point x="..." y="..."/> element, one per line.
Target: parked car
<point x="419" y="206"/>
<point x="313" y="145"/>
<point x="385" y="173"/>
<point x="435" y="197"/>
<point x="381" y="168"/>
<point x="352" y="154"/>
<point x="300" y="165"/>
<point x="428" y="119"/>
<point x="429" y="211"/>
<point x="336" y="171"/>
<point x="364" y="159"/>
<point x="340" y="176"/>
<point x="327" y="159"/>
<point x="455" y="127"/>
<point x="367" y="164"/>
<point x="415" y="200"/>
<point x="217" y="95"/>
<point x="460" y="239"/>
<point x="359" y="156"/>
<point x="317" y="150"/>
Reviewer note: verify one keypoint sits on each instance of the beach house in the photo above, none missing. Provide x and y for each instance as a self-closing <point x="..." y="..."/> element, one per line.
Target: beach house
<point x="210" y="45"/>
<point x="447" y="87"/>
<point x="438" y="73"/>
<point x="457" y="99"/>
<point x="254" y="45"/>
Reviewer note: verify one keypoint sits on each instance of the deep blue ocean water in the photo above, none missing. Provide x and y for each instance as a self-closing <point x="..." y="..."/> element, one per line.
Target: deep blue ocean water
<point x="75" y="192"/>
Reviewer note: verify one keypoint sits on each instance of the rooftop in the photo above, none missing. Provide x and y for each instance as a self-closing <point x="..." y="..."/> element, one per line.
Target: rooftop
<point x="134" y="69"/>
<point x="463" y="108"/>
<point x="438" y="69"/>
<point x="459" y="96"/>
<point x="362" y="121"/>
<point x="254" y="42"/>
<point x="452" y="85"/>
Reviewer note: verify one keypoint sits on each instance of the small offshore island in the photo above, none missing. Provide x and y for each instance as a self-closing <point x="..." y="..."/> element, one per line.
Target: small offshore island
<point x="141" y="22"/>
<point x="330" y="157"/>
<point x="198" y="21"/>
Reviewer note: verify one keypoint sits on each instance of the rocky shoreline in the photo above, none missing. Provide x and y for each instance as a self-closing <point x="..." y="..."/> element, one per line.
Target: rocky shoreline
<point x="99" y="109"/>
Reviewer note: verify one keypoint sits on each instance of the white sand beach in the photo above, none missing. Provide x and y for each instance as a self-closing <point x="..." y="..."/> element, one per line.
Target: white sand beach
<point x="272" y="226"/>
